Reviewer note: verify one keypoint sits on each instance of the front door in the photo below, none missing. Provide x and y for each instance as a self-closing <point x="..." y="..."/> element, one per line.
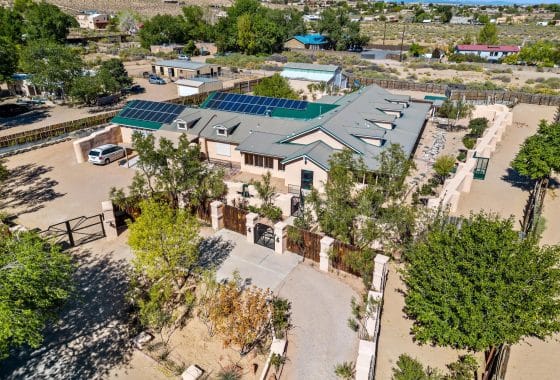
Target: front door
<point x="306" y="179"/>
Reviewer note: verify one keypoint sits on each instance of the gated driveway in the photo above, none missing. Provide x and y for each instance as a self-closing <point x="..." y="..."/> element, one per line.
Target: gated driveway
<point x="320" y="337"/>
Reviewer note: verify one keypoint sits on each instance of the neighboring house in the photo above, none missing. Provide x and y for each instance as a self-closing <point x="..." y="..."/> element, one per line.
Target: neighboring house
<point x="193" y="86"/>
<point x="490" y="52"/>
<point x="93" y="21"/>
<point x="300" y="75"/>
<point x="21" y="85"/>
<point x="167" y="48"/>
<point x="292" y="139"/>
<point x="182" y="69"/>
<point x="459" y="20"/>
<point x="309" y="41"/>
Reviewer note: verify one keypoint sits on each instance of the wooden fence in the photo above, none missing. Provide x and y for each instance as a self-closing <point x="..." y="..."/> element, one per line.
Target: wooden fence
<point x="534" y="206"/>
<point x="340" y="252"/>
<point x="55" y="130"/>
<point x="304" y="243"/>
<point x="400" y="85"/>
<point x="235" y="219"/>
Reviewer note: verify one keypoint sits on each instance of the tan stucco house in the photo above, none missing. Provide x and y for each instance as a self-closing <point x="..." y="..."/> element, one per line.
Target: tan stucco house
<point x="183" y="69"/>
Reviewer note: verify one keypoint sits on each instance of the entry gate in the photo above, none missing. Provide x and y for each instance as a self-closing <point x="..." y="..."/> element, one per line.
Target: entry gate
<point x="76" y="231"/>
<point x="481" y="167"/>
<point x="264" y="235"/>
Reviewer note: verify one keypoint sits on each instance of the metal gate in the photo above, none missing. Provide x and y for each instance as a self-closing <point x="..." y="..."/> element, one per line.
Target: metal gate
<point x="481" y="167"/>
<point x="76" y="231"/>
<point x="295" y="206"/>
<point x="264" y="235"/>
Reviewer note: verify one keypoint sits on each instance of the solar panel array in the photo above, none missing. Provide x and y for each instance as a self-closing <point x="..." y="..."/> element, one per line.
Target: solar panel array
<point x="156" y="112"/>
<point x="255" y="105"/>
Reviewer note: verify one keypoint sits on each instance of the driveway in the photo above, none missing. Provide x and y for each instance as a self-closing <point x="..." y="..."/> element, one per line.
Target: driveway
<point x="320" y="337"/>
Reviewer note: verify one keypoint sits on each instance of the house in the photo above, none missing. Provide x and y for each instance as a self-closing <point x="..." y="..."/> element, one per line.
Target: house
<point x="292" y="139"/>
<point x="198" y="85"/>
<point x="490" y="52"/>
<point x="460" y="20"/>
<point x="300" y="75"/>
<point x="94" y="21"/>
<point x="182" y="69"/>
<point x="309" y="41"/>
<point x="167" y="48"/>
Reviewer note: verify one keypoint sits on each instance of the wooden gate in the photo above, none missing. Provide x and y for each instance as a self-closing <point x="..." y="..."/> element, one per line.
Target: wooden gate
<point x="339" y="256"/>
<point x="235" y="219"/>
<point x="304" y="243"/>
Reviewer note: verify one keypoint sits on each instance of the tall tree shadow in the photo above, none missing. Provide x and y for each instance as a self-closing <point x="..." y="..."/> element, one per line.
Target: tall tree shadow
<point x="28" y="188"/>
<point x="92" y="335"/>
<point x="525" y="183"/>
<point x="213" y="252"/>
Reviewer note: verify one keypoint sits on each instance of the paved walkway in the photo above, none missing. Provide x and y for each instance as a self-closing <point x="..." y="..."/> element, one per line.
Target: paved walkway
<point x="320" y="338"/>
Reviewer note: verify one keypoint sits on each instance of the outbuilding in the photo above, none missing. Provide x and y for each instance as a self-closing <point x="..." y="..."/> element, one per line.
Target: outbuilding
<point x="199" y="85"/>
<point x="182" y="69"/>
<point x="308" y="41"/>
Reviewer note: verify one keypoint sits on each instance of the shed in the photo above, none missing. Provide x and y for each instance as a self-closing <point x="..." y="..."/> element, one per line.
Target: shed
<point x="308" y="41"/>
<point x="182" y="69"/>
<point x="198" y="85"/>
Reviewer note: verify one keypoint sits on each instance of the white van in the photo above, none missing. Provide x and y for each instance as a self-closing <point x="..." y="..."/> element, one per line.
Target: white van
<point x="105" y="153"/>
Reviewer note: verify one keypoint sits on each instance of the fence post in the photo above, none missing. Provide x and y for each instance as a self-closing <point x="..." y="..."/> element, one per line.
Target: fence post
<point x="326" y="245"/>
<point x="280" y="237"/>
<point x="379" y="272"/>
<point x="250" y="226"/>
<point x="217" y="215"/>
<point x="109" y="220"/>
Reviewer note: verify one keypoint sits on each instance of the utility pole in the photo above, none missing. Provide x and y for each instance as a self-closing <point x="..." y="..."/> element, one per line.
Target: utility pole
<point x="384" y="32"/>
<point x="402" y="42"/>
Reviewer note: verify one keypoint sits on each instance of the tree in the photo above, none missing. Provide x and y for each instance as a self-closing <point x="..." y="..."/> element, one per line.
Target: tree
<point x="112" y="72"/>
<point x="443" y="166"/>
<point x="54" y="67"/>
<point x="36" y="280"/>
<point x="411" y="369"/>
<point x="488" y="34"/>
<point x="455" y="110"/>
<point x="275" y="86"/>
<point x="266" y="190"/>
<point x="165" y="246"/>
<point x="163" y="29"/>
<point x="416" y="50"/>
<point x="86" y="89"/>
<point x="11" y="23"/>
<point x="46" y="21"/>
<point x="337" y="25"/>
<point x="477" y="285"/>
<point x="8" y="59"/>
<point x="539" y="155"/>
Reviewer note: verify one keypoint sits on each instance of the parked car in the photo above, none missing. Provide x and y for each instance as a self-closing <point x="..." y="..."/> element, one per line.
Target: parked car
<point x="156" y="80"/>
<point x="146" y="74"/>
<point x="105" y="154"/>
<point x="184" y="57"/>
<point x="134" y="89"/>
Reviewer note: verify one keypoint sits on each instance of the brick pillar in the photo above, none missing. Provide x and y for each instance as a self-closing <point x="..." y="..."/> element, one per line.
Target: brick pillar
<point x="109" y="222"/>
<point x="280" y="237"/>
<point x="250" y="229"/>
<point x="326" y="245"/>
<point x="379" y="272"/>
<point x="217" y="215"/>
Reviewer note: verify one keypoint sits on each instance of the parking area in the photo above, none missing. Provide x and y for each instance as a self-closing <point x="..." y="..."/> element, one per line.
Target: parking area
<point x="48" y="186"/>
<point x="320" y="337"/>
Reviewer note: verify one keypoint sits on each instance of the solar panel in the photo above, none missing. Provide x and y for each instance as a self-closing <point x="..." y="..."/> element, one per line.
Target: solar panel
<point x="258" y="105"/>
<point x="157" y="112"/>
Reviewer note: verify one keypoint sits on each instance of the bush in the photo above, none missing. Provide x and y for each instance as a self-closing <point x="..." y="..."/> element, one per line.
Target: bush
<point x="271" y="212"/>
<point x="462" y="156"/>
<point x="465" y="58"/>
<point x="469" y="142"/>
<point x="478" y="126"/>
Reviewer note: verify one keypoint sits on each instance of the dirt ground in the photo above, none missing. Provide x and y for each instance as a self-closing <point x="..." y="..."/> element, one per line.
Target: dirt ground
<point x="48" y="185"/>
<point x="395" y="338"/>
<point x="488" y="194"/>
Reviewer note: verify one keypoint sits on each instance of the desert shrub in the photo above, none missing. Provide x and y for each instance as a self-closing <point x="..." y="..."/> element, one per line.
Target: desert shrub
<point x="465" y="58"/>
<point x="469" y="142"/>
<point x="462" y="156"/>
<point x="478" y="126"/>
<point x="502" y="78"/>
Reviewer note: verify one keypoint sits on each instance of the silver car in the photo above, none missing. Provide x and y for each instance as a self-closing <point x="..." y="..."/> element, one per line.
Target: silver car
<point x="105" y="153"/>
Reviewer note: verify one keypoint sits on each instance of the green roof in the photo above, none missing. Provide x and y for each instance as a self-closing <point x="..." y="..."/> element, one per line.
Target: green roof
<point x="136" y="123"/>
<point x="310" y="112"/>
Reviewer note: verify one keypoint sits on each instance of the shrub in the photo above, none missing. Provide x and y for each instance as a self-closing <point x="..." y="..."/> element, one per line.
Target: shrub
<point x="469" y="142"/>
<point x="462" y="156"/>
<point x="271" y="212"/>
<point x="478" y="126"/>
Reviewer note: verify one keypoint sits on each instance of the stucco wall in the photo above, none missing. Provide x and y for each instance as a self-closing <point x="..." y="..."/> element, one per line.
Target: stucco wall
<point x="210" y="151"/>
<point x="108" y="135"/>
<point x="293" y="174"/>
<point x="318" y="136"/>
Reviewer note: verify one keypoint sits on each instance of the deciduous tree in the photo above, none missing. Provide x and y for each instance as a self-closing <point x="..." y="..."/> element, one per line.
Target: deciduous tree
<point x="477" y="285"/>
<point x="443" y="166"/>
<point x="488" y="34"/>
<point x="275" y="86"/>
<point x="46" y="21"/>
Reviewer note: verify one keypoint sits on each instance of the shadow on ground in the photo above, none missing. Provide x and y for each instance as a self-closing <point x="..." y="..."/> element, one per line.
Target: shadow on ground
<point x="28" y="189"/>
<point x="24" y="119"/>
<point x="213" y="252"/>
<point x="92" y="336"/>
<point x="525" y="183"/>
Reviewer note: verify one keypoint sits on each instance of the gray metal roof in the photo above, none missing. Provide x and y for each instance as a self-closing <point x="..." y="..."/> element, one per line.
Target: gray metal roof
<point x="182" y="64"/>
<point x="350" y="123"/>
<point x="310" y="66"/>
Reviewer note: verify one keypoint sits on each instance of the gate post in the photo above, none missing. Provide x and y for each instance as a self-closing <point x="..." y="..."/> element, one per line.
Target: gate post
<point x="217" y="215"/>
<point x="326" y="245"/>
<point x="109" y="221"/>
<point x="280" y="237"/>
<point x="250" y="226"/>
<point x="379" y="272"/>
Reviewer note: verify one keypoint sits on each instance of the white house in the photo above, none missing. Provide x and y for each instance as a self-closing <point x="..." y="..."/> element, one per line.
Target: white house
<point x="93" y="21"/>
<point x="490" y="52"/>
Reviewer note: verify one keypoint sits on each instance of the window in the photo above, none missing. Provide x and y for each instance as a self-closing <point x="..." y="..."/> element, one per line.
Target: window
<point x="223" y="149"/>
<point x="181" y="125"/>
<point x="306" y="179"/>
<point x="281" y="166"/>
<point x="221" y="131"/>
<point x="258" y="160"/>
